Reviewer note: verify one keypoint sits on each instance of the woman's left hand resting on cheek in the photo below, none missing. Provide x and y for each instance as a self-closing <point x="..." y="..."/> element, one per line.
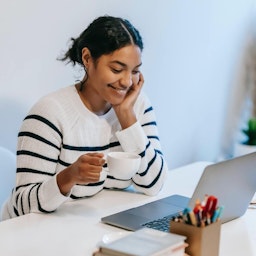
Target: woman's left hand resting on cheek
<point x="125" y="110"/>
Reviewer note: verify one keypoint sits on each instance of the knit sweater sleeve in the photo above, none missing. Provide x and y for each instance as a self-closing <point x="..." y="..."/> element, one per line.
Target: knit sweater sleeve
<point x="143" y="138"/>
<point x="38" y="149"/>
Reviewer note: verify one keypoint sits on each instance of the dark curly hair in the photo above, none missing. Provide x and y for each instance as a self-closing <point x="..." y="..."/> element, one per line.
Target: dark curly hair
<point x="103" y="36"/>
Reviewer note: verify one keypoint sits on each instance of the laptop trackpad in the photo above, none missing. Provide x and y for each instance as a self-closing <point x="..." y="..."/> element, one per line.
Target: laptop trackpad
<point x="125" y="220"/>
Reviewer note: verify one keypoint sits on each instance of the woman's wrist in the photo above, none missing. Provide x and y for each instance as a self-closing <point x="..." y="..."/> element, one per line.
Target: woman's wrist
<point x="64" y="181"/>
<point x="126" y="118"/>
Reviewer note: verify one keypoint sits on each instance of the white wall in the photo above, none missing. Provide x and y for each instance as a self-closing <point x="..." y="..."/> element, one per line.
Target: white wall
<point x="190" y="62"/>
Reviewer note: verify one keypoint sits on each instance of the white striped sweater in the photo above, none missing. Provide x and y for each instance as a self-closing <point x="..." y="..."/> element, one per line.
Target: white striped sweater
<point x="58" y="129"/>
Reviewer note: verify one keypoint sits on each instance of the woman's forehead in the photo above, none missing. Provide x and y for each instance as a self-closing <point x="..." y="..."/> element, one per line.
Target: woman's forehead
<point x="129" y="55"/>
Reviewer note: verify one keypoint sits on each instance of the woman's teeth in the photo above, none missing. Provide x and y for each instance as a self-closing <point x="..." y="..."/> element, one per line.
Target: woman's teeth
<point x="120" y="90"/>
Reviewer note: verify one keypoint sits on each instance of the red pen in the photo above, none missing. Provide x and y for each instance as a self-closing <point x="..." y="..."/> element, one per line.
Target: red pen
<point x="210" y="206"/>
<point x="198" y="212"/>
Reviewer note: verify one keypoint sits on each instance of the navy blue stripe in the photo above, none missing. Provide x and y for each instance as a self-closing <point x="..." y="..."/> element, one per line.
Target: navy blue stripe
<point x="97" y="148"/>
<point x="149" y="165"/>
<point x="34" y="171"/>
<point x="29" y="200"/>
<point x="64" y="163"/>
<point x="45" y="121"/>
<point x="148" y="109"/>
<point x="155" y="180"/>
<point x="153" y="137"/>
<point x="39" y="205"/>
<point x="21" y="203"/>
<point x="68" y="164"/>
<point x="17" y="199"/>
<point x="150" y="123"/>
<point x="93" y="184"/>
<point x="77" y="197"/>
<point x="159" y="152"/>
<point x="37" y="137"/>
<point x="16" y="211"/>
<point x="113" y="178"/>
<point x="24" y="185"/>
<point x="29" y="153"/>
<point x="142" y="154"/>
<point x="87" y="185"/>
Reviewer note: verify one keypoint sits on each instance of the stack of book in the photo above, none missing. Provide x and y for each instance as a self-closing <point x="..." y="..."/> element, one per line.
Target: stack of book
<point x="145" y="242"/>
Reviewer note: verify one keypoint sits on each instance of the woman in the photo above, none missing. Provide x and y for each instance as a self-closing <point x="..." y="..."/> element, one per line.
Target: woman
<point x="63" y="139"/>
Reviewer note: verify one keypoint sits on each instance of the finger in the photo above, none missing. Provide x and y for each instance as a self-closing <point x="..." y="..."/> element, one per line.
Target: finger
<point x="90" y="175"/>
<point x="137" y="86"/>
<point x="93" y="178"/>
<point x="95" y="170"/>
<point x="97" y="154"/>
<point x="141" y="80"/>
<point x="93" y="159"/>
<point x="94" y="174"/>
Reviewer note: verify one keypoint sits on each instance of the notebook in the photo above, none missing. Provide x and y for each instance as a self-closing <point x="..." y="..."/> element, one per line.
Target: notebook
<point x="232" y="181"/>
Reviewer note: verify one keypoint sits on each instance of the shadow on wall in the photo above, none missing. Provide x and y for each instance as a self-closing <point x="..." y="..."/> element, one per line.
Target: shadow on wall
<point x="12" y="113"/>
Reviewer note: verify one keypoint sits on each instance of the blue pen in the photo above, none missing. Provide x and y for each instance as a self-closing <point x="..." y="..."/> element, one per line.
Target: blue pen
<point x="186" y="218"/>
<point x="220" y="212"/>
<point x="186" y="210"/>
<point x="215" y="215"/>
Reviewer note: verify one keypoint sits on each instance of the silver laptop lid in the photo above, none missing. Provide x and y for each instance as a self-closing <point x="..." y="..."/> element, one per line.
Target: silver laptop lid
<point x="233" y="182"/>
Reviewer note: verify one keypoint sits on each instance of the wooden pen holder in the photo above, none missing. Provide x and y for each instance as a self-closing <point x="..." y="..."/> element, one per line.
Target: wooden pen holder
<point x="202" y="241"/>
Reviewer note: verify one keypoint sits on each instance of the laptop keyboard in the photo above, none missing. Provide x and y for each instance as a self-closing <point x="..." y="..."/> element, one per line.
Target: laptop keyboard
<point x="162" y="224"/>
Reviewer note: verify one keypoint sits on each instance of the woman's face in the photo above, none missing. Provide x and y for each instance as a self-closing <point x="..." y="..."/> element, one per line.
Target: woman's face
<point x="114" y="74"/>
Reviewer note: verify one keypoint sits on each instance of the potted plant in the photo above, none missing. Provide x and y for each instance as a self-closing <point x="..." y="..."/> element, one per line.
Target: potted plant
<point x="250" y="132"/>
<point x="249" y="145"/>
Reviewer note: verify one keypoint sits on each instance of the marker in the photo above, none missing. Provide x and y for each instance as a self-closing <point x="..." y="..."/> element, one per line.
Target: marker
<point x="208" y="218"/>
<point x="215" y="215"/>
<point x="186" y="218"/>
<point x="220" y="212"/>
<point x="192" y="218"/>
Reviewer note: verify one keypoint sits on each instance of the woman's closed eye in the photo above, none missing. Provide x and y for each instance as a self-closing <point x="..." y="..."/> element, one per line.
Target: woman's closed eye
<point x="135" y="72"/>
<point x="116" y="71"/>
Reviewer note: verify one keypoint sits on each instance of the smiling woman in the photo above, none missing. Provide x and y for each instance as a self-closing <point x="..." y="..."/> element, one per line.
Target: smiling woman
<point x="111" y="78"/>
<point x="65" y="136"/>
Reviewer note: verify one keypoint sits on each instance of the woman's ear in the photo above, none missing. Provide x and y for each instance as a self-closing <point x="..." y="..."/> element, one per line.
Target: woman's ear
<point x="86" y="56"/>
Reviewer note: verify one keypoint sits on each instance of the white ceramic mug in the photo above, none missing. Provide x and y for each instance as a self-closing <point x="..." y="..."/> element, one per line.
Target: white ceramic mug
<point x="123" y="165"/>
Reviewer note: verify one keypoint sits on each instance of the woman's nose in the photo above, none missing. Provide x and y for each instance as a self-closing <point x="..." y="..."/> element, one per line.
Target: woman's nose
<point x="126" y="80"/>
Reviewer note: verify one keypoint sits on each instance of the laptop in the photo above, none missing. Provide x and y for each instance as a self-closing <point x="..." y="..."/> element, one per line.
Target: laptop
<point x="232" y="181"/>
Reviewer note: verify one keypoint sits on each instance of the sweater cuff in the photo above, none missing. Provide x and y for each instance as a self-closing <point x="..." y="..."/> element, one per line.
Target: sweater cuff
<point x="133" y="138"/>
<point x="52" y="198"/>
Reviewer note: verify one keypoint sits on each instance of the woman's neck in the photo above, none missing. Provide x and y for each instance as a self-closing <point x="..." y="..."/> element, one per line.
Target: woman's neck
<point x="92" y="100"/>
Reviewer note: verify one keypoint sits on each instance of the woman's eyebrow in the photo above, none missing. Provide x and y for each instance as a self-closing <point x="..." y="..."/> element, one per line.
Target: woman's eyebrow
<point x="123" y="64"/>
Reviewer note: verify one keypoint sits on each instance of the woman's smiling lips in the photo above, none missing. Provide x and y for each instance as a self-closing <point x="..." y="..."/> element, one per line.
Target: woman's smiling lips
<point x="121" y="91"/>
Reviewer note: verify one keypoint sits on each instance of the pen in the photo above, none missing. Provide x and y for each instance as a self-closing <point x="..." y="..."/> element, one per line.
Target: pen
<point x="208" y="218"/>
<point x="192" y="218"/>
<point x="210" y="206"/>
<point x="185" y="216"/>
<point x="215" y="215"/>
<point x="198" y="212"/>
<point x="220" y="212"/>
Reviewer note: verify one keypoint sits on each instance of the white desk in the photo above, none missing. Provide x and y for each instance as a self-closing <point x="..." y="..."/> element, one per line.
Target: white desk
<point x="75" y="228"/>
